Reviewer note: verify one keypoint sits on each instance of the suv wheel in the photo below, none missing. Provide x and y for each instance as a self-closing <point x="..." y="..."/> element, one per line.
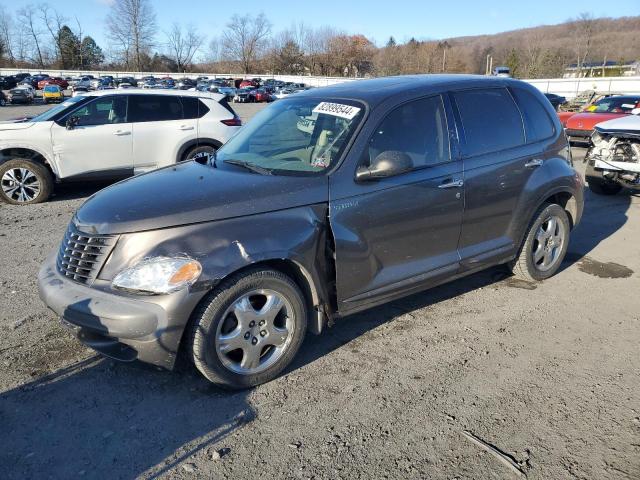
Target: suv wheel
<point x="23" y="182"/>
<point x="200" y="151"/>
<point x="3" y="102"/>
<point x="249" y="329"/>
<point x="544" y="246"/>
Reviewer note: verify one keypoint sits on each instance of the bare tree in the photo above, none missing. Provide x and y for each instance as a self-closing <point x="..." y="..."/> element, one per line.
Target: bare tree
<point x="6" y="36"/>
<point x="53" y="21"/>
<point x="132" y="25"/>
<point x="183" y="46"/>
<point x="583" y="29"/>
<point x="244" y="39"/>
<point x="28" y="21"/>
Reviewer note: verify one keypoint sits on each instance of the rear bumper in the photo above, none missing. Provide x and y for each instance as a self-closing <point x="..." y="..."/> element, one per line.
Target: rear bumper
<point x="126" y="328"/>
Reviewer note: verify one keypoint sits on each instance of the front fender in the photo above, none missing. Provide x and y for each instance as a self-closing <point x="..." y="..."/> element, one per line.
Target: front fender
<point x="296" y="235"/>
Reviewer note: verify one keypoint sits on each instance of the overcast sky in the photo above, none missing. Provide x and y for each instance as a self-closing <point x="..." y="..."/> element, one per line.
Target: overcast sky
<point x="376" y="19"/>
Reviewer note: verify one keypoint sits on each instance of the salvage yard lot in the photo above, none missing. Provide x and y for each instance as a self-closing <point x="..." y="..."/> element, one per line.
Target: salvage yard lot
<point x="548" y="373"/>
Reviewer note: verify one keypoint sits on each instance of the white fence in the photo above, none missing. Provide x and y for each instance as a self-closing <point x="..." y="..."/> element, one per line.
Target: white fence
<point x="568" y="87"/>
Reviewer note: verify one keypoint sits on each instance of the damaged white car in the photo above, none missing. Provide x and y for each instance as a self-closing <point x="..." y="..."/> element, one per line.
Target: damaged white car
<point x="613" y="161"/>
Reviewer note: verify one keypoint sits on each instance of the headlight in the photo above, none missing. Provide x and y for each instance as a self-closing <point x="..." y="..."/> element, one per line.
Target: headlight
<point x="159" y="275"/>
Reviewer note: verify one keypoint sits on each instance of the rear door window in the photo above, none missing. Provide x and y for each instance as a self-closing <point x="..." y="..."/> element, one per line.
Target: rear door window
<point x="538" y="124"/>
<point x="154" y="108"/>
<point x="418" y="129"/>
<point x="193" y="108"/>
<point x="491" y="120"/>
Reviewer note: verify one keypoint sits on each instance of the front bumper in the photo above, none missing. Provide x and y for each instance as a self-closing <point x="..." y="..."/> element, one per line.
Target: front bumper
<point x="126" y="328"/>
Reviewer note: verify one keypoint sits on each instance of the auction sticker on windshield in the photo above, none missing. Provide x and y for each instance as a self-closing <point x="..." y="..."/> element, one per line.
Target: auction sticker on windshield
<point x="337" y="110"/>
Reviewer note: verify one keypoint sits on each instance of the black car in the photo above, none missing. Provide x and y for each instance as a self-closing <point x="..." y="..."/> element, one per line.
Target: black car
<point x="21" y="95"/>
<point x="555" y="100"/>
<point x="8" y="82"/>
<point x="329" y="202"/>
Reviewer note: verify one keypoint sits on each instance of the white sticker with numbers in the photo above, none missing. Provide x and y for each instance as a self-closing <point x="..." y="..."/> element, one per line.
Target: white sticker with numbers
<point x="337" y="110"/>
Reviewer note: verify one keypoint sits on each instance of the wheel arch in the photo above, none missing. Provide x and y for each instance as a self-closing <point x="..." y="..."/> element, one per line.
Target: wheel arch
<point x="197" y="142"/>
<point x="27" y="153"/>
<point x="302" y="277"/>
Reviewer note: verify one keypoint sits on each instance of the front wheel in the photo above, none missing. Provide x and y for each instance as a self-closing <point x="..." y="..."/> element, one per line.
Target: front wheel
<point x="24" y="182"/>
<point x="544" y="246"/>
<point x="249" y="329"/>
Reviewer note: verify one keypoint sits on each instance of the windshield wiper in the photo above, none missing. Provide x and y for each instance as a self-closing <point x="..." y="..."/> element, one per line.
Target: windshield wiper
<point x="249" y="166"/>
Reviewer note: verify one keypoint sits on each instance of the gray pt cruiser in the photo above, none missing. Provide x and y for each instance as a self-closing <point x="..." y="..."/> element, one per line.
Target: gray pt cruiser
<point x="329" y="202"/>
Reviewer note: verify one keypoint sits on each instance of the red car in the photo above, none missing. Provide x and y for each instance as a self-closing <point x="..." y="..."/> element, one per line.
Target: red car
<point x="579" y="126"/>
<point x="61" y="82"/>
<point x="260" y="95"/>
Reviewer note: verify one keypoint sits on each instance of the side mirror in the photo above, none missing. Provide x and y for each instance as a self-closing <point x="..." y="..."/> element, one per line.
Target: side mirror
<point x="72" y="122"/>
<point x="635" y="111"/>
<point x="386" y="164"/>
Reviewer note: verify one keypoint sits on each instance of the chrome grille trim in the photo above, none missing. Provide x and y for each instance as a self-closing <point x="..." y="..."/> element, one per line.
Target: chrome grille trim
<point x="82" y="255"/>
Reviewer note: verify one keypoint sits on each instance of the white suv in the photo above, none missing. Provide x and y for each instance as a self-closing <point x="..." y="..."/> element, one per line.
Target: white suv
<point x="109" y="135"/>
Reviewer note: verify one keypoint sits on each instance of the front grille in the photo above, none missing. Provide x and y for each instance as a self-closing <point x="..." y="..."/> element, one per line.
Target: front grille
<point x="81" y="254"/>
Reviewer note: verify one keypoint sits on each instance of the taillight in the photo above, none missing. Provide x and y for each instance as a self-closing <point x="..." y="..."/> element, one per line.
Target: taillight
<point x="232" y="122"/>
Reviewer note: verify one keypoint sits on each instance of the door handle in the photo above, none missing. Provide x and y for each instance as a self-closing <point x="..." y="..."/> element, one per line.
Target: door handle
<point x="451" y="184"/>
<point x="120" y="133"/>
<point x="536" y="162"/>
<point x="186" y="127"/>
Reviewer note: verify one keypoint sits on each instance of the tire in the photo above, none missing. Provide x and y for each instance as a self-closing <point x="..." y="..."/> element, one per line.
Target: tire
<point x="543" y="239"/>
<point x="3" y="102"/>
<point x="235" y="360"/>
<point x="198" y="151"/>
<point x="36" y="174"/>
<point x="602" y="187"/>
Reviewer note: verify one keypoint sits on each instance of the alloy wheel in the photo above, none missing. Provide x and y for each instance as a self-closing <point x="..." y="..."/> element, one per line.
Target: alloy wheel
<point x="20" y="185"/>
<point x="549" y="239"/>
<point x="255" y="331"/>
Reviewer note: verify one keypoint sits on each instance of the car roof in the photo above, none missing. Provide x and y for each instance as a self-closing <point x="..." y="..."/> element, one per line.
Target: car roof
<point x="143" y="91"/>
<point x="376" y="90"/>
<point x="631" y="98"/>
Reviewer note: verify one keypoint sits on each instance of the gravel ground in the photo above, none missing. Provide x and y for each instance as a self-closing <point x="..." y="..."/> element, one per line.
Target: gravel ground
<point x="548" y="374"/>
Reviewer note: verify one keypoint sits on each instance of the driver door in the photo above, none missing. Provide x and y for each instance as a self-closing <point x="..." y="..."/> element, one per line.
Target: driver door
<point x="100" y="144"/>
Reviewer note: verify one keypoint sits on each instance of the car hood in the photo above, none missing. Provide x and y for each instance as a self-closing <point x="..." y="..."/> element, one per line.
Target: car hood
<point x="586" y="120"/>
<point x="629" y="124"/>
<point x="190" y="193"/>
<point x="20" y="125"/>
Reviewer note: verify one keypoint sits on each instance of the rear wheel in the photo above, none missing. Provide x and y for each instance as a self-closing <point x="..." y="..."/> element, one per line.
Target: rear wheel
<point x="545" y="245"/>
<point x="248" y="330"/>
<point x="3" y="102"/>
<point x="24" y="182"/>
<point x="199" y="151"/>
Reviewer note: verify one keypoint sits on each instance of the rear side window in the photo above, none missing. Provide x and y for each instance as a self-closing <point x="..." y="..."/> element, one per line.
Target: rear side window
<point x="193" y="107"/>
<point x="225" y="103"/>
<point x="418" y="129"/>
<point x="154" y="108"/>
<point x="538" y="125"/>
<point x="490" y="119"/>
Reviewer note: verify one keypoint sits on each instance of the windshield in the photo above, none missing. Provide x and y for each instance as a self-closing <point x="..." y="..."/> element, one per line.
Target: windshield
<point x="53" y="112"/>
<point x="614" y="105"/>
<point x="295" y="136"/>
<point x="51" y="88"/>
